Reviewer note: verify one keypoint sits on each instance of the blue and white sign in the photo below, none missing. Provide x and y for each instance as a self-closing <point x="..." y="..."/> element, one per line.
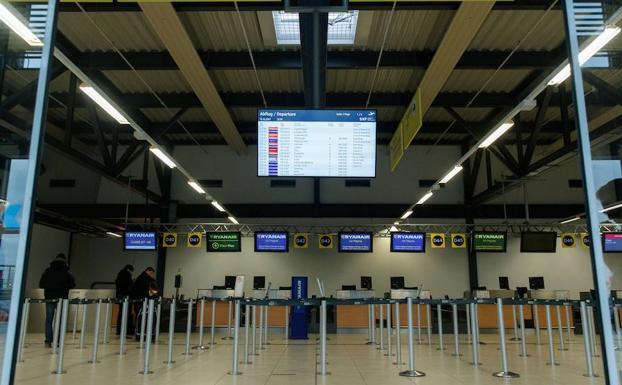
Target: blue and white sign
<point x="140" y="240"/>
<point x="272" y="241"/>
<point x="408" y="242"/>
<point x="356" y="242"/>
<point x="316" y="143"/>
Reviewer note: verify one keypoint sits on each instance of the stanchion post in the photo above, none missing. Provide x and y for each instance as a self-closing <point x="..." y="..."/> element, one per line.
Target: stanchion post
<point x="505" y="372"/>
<point x="148" y="339"/>
<point x="536" y="322"/>
<point x="236" y="335"/>
<point x="247" y="310"/>
<point x="398" y="337"/>
<point x="381" y="330"/>
<point x="523" y="341"/>
<point x="124" y="315"/>
<point x="428" y="312"/>
<point x="474" y="341"/>
<point x="83" y="326"/>
<point x="549" y="332"/>
<point x="143" y="324"/>
<point x="560" y="328"/>
<point x="369" y="324"/>
<point x="213" y="324"/>
<point x="23" y="330"/>
<point x="411" y="372"/>
<point x="468" y="322"/>
<point x="265" y="325"/>
<point x="286" y="323"/>
<point x="171" y="332"/>
<point x="514" y="324"/>
<point x="57" y="316"/>
<point x="567" y="310"/>
<point x="76" y="310"/>
<point x="454" y="311"/>
<point x="63" y="330"/>
<point x="590" y="315"/>
<point x="476" y="330"/>
<point x="418" y="323"/>
<point x="96" y="333"/>
<point x="323" y="371"/>
<point x="260" y="327"/>
<point x="229" y="315"/>
<point x="439" y="316"/>
<point x="201" y="320"/>
<point x="373" y="324"/>
<point x="187" y="351"/>
<point x="106" y="321"/>
<point x="158" y="319"/>
<point x="254" y="334"/>
<point x="389" y="327"/>
<point x="586" y="342"/>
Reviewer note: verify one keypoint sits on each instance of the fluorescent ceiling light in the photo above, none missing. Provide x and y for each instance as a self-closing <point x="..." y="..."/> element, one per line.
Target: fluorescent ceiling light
<point x="450" y="174"/>
<point x="393" y="229"/>
<point x="496" y="134"/>
<point x="233" y="220"/>
<point x="218" y="206"/>
<point x="110" y="233"/>
<point x="586" y="53"/>
<point x="407" y="214"/>
<point x="425" y="198"/>
<point x="19" y="27"/>
<point x="396" y="223"/>
<point x="103" y="103"/>
<point x="616" y="206"/>
<point x="341" y="27"/>
<point x="570" y="220"/>
<point x="163" y="157"/>
<point x="197" y="187"/>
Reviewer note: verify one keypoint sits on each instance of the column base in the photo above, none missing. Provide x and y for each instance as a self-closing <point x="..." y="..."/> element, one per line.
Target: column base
<point x="506" y="374"/>
<point x="412" y="373"/>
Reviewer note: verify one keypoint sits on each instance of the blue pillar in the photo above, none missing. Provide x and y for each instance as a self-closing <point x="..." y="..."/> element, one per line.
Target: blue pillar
<point x="299" y="314"/>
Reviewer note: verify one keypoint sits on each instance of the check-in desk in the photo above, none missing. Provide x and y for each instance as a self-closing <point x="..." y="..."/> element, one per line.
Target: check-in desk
<point x="547" y="294"/>
<point x="220" y="308"/>
<point x="487" y="313"/>
<point x="276" y="314"/>
<point x="354" y="316"/>
<point x="419" y="320"/>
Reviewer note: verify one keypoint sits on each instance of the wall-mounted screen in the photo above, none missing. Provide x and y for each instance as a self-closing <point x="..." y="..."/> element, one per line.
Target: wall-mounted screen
<point x="316" y="143"/>
<point x="272" y="241"/>
<point x="612" y="242"/>
<point x="356" y="242"/>
<point x="489" y="241"/>
<point x="408" y="242"/>
<point x="139" y="240"/>
<point x="224" y="241"/>
<point x="538" y="242"/>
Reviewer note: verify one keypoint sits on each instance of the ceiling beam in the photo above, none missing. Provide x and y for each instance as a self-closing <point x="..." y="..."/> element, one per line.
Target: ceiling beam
<point x="169" y="28"/>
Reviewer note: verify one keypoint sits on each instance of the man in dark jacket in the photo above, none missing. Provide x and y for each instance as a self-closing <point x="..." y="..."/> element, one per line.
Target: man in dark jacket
<point x="56" y="282"/>
<point x="144" y="286"/>
<point x="123" y="284"/>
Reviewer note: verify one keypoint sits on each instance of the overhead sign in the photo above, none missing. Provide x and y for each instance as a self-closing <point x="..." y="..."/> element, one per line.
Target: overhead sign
<point x="585" y="240"/>
<point x="458" y="241"/>
<point x="489" y="241"/>
<point x="568" y="240"/>
<point x="169" y="240"/>
<point x="139" y="240"/>
<point x="301" y="241"/>
<point x="437" y="241"/>
<point x="408" y="242"/>
<point x="224" y="241"/>
<point x="194" y="239"/>
<point x="325" y="241"/>
<point x="396" y="147"/>
<point x="412" y="120"/>
<point x="272" y="241"/>
<point x="356" y="242"/>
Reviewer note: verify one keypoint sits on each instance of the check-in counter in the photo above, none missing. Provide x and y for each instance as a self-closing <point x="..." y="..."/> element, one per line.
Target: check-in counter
<point x="276" y="314"/>
<point x="418" y="320"/>
<point x="354" y="316"/>
<point x="547" y="294"/>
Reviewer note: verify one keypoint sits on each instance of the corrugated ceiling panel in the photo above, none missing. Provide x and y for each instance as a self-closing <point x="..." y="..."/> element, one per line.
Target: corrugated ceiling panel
<point x="245" y="81"/>
<point x="196" y="115"/>
<point x="159" y="81"/>
<point x="159" y="114"/>
<point x="472" y="81"/>
<point x="129" y="31"/>
<point x="504" y="30"/>
<point x="359" y="80"/>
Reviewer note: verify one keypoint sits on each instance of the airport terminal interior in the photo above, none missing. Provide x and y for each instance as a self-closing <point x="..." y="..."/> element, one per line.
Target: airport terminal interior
<point x="271" y="192"/>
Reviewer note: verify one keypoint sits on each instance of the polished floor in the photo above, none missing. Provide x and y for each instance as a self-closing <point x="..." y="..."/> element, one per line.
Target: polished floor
<point x="350" y="362"/>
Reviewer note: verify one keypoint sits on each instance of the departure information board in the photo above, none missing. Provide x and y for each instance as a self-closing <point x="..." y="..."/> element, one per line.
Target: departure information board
<point x="316" y="143"/>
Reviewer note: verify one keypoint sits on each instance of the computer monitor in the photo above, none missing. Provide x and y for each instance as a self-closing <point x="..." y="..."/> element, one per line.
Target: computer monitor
<point x="521" y="291"/>
<point x="366" y="283"/>
<point x="504" y="283"/>
<point x="536" y="283"/>
<point x="259" y="282"/>
<point x="229" y="282"/>
<point x="218" y="287"/>
<point x="285" y="287"/>
<point x="397" y="282"/>
<point x="348" y="287"/>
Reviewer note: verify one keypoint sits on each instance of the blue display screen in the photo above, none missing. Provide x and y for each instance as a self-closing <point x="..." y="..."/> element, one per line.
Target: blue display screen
<point x="139" y="240"/>
<point x="408" y="242"/>
<point x="272" y="241"/>
<point x="356" y="242"/>
<point x="612" y="242"/>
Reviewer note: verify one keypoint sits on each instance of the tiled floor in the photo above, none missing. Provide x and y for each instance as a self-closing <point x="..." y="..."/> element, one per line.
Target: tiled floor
<point x="350" y="362"/>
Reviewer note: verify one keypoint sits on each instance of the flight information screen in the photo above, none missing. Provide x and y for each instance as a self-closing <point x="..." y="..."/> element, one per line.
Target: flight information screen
<point x="316" y="143"/>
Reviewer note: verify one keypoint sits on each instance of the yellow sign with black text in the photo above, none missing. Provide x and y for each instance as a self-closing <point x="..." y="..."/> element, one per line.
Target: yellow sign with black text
<point x="585" y="240"/>
<point x="325" y="241"/>
<point x="569" y="240"/>
<point x="301" y="241"/>
<point x="169" y="239"/>
<point x="437" y="241"/>
<point x="396" y="147"/>
<point x="412" y="120"/>
<point x="195" y="239"/>
<point x="458" y="241"/>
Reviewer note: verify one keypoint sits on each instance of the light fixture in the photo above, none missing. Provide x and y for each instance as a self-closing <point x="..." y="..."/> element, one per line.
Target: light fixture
<point x="110" y="233"/>
<point x="424" y="198"/>
<point x="19" y="27"/>
<point x="218" y="206"/>
<point x="233" y="220"/>
<point x="163" y="157"/>
<point x="496" y="134"/>
<point x="197" y="187"/>
<point x="570" y="220"/>
<point x="406" y="214"/>
<point x="393" y="229"/>
<point x="396" y="223"/>
<point x="341" y="27"/>
<point x="103" y="103"/>
<point x="616" y="206"/>
<point x="450" y="174"/>
<point x="586" y="53"/>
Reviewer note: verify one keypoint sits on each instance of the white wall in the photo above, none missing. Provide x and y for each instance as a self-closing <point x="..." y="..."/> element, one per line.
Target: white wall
<point x="46" y="243"/>
<point x="100" y="259"/>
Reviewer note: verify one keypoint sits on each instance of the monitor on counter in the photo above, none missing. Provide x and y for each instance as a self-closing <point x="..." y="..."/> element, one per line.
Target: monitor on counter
<point x="348" y="287"/>
<point x="366" y="283"/>
<point x="397" y="282"/>
<point x="504" y="283"/>
<point x="230" y="282"/>
<point x="259" y="282"/>
<point x="536" y="283"/>
<point x="538" y="242"/>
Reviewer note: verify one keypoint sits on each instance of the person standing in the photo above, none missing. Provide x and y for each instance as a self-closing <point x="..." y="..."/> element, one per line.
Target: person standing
<point x="145" y="286"/>
<point x="56" y="281"/>
<point x="123" y="284"/>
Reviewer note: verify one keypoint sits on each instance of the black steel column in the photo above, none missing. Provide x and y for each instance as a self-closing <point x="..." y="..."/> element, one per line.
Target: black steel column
<point x="469" y="218"/>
